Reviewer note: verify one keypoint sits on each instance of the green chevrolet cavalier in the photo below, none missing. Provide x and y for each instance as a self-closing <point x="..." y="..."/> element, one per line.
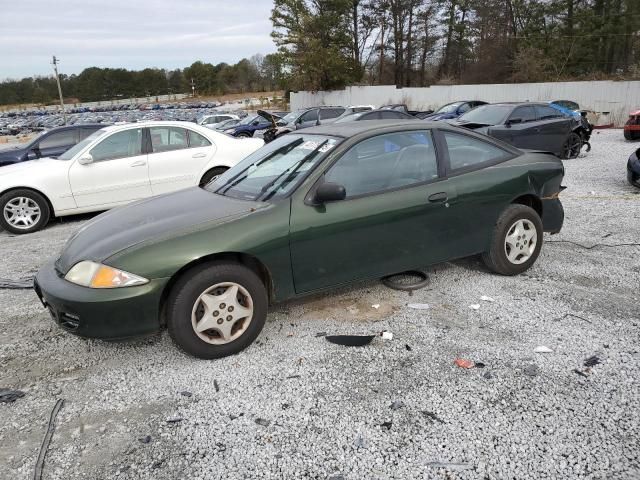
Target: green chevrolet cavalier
<point x="310" y="211"/>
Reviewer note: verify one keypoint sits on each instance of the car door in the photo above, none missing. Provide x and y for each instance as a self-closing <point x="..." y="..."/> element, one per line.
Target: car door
<point x="521" y="128"/>
<point x="176" y="158"/>
<point x="395" y="206"/>
<point x="118" y="172"/>
<point x="554" y="129"/>
<point x="307" y="119"/>
<point x="56" y="143"/>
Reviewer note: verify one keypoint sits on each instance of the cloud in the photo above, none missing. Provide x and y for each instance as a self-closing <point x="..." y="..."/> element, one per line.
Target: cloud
<point x="132" y="34"/>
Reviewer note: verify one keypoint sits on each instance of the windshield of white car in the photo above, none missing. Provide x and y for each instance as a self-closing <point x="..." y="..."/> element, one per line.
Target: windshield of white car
<point x="449" y="108"/>
<point x="275" y="169"/>
<point x="73" y="151"/>
<point x="487" y="114"/>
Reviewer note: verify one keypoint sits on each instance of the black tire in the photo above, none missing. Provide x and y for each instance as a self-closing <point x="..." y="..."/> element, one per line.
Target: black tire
<point x="496" y="258"/>
<point x="214" y="172"/>
<point x="187" y="291"/>
<point x="244" y="135"/>
<point x="38" y="199"/>
<point x="631" y="135"/>
<point x="572" y="147"/>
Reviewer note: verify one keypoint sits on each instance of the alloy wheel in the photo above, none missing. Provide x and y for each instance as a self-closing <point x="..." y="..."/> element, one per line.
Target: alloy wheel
<point x="22" y="213"/>
<point x="520" y="241"/>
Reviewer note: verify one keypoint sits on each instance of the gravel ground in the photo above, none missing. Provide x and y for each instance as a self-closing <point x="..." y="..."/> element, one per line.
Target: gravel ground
<point x="295" y="406"/>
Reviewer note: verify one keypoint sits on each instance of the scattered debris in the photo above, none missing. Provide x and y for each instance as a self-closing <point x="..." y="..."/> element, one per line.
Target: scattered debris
<point x="582" y="374"/>
<point x="475" y="306"/>
<point x="215" y="385"/>
<point x="484" y="298"/>
<point x="386" y="425"/>
<point x="419" y="306"/>
<point x="262" y="421"/>
<point x="146" y="439"/>
<point x="186" y="394"/>
<point x="351" y="340"/>
<point x="37" y="475"/>
<point x="158" y="464"/>
<point x="174" y="420"/>
<point x="376" y="306"/>
<point x="407" y="347"/>
<point x="23" y="284"/>
<point x="462" y="363"/>
<point x="488" y="375"/>
<point x="542" y="349"/>
<point x="397" y="404"/>
<point x="386" y="335"/>
<point x="293" y="376"/>
<point x="479" y="365"/>
<point x="9" y="396"/>
<point x="592" y="361"/>
<point x="531" y="370"/>
<point x="432" y="416"/>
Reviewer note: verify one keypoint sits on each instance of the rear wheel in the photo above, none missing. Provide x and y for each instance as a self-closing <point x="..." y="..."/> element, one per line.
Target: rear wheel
<point x="631" y="135"/>
<point x="516" y="241"/>
<point x="211" y="174"/>
<point x="23" y="211"/>
<point x="572" y="146"/>
<point x="243" y="135"/>
<point x="217" y="310"/>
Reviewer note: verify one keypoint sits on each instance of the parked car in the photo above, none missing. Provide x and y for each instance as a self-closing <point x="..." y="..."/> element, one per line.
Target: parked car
<point x="212" y="121"/>
<point x="633" y="169"/>
<point x="529" y="125"/>
<point x="572" y="109"/>
<point x="632" y="126"/>
<point x="381" y="114"/>
<point x="114" y="166"/>
<point x="401" y="107"/>
<point x="453" y="110"/>
<point x="315" y="209"/>
<point x="227" y="124"/>
<point x="50" y="143"/>
<point x="250" y="126"/>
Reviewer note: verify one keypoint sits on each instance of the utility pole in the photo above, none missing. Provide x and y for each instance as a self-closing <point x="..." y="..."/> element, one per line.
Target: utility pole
<point x="55" y="69"/>
<point x="193" y="88"/>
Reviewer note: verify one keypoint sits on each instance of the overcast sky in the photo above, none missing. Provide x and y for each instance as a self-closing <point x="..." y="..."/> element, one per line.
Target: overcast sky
<point x="133" y="34"/>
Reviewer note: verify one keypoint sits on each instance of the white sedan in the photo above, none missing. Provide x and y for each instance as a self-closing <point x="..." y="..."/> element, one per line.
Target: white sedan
<point x="114" y="166"/>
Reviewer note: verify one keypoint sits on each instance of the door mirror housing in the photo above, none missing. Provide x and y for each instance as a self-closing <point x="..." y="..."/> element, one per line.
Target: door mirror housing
<point x="86" y="159"/>
<point x="33" y="154"/>
<point x="330" y="192"/>
<point x="513" y="121"/>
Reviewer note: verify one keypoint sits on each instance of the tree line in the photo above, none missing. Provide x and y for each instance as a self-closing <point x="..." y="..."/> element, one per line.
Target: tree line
<point x="327" y="44"/>
<point x="258" y="73"/>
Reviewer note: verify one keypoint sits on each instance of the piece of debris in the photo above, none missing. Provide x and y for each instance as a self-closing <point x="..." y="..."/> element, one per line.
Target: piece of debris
<point x="215" y="385"/>
<point x="22" y="284"/>
<point x="294" y="376"/>
<point x="158" y="464"/>
<point x="488" y="375"/>
<point x="462" y="363"/>
<point x="397" y="404"/>
<point x="376" y="306"/>
<point x="359" y="443"/>
<point x="531" y="370"/>
<point x="351" y="340"/>
<point x="146" y="439"/>
<point x="174" y="420"/>
<point x="475" y="306"/>
<point x="262" y="421"/>
<point x="484" y="298"/>
<point x="186" y="394"/>
<point x="449" y="465"/>
<point x="542" y="349"/>
<point x="592" y="361"/>
<point x="321" y="334"/>
<point x="479" y="365"/>
<point x="386" y="425"/>
<point x="37" y="475"/>
<point x="290" y="334"/>
<point x="407" y="347"/>
<point x="432" y="416"/>
<point x="419" y="306"/>
<point x="9" y="396"/>
<point x="386" y="335"/>
<point x="582" y="374"/>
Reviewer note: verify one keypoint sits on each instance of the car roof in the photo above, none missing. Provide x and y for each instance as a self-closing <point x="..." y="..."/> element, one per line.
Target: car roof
<point x="351" y="129"/>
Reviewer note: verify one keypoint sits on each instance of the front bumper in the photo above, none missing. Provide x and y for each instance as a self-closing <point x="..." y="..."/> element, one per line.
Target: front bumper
<point x="633" y="170"/>
<point x="100" y="313"/>
<point x="552" y="215"/>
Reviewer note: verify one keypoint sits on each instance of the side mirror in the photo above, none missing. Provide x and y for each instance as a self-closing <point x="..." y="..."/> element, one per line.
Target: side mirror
<point x="330" y="192"/>
<point x="85" y="159"/>
<point x="255" y="122"/>
<point x="33" y="154"/>
<point x="513" y="121"/>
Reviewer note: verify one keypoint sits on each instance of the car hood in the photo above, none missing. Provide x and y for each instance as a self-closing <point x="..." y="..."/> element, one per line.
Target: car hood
<point x="13" y="152"/>
<point x="434" y="117"/>
<point x="20" y="169"/>
<point x="149" y="220"/>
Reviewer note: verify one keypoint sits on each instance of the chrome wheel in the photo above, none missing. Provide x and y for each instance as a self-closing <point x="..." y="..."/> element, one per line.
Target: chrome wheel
<point x="22" y="213"/>
<point x="222" y="313"/>
<point x="520" y="242"/>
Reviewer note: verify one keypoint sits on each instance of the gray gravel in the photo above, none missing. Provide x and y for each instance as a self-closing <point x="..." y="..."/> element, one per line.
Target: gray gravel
<point x="295" y="406"/>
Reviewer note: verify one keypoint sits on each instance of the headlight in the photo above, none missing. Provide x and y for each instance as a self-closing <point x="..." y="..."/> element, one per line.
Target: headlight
<point x="95" y="275"/>
<point x="230" y="130"/>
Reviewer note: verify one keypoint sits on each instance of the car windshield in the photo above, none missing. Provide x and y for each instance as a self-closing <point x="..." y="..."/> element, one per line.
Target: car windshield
<point x="449" y="108"/>
<point x="273" y="170"/>
<point x="290" y="117"/>
<point x="69" y="154"/>
<point x="487" y="114"/>
<point x="248" y="119"/>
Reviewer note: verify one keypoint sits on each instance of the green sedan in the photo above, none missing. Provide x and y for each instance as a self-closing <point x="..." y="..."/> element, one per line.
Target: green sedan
<point x="310" y="211"/>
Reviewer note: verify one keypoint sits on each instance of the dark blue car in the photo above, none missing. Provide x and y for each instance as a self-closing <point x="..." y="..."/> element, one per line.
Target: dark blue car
<point x="249" y="125"/>
<point x="50" y="143"/>
<point x="453" y="110"/>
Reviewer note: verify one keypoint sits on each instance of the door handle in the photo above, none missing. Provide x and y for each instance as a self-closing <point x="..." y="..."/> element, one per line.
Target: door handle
<point x="139" y="163"/>
<point x="438" y="197"/>
<point x="198" y="155"/>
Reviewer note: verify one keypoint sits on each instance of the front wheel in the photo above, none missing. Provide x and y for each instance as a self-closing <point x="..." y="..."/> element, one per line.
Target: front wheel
<point x="516" y="241"/>
<point x="211" y="174"/>
<point x="243" y="135"/>
<point x="217" y="310"/>
<point x="23" y="211"/>
<point x="572" y="146"/>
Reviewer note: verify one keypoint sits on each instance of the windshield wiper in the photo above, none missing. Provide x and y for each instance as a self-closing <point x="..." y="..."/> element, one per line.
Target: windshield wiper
<point x="239" y="177"/>
<point x="295" y="168"/>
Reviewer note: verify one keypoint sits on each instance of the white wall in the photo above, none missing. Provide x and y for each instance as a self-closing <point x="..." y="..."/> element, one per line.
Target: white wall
<point x="618" y="98"/>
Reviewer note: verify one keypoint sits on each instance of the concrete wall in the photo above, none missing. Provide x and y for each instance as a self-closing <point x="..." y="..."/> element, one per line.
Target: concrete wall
<point x="618" y="98"/>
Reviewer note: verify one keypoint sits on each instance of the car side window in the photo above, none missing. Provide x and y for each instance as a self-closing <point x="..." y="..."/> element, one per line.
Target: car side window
<point x="464" y="108"/>
<point x="127" y="143"/>
<point x="386" y="162"/>
<point x="167" y="139"/>
<point x="327" y="113"/>
<point x="58" y="139"/>
<point x="527" y="114"/>
<point x="310" y="116"/>
<point x="467" y="152"/>
<point x="197" y="140"/>
<point x="546" y="113"/>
